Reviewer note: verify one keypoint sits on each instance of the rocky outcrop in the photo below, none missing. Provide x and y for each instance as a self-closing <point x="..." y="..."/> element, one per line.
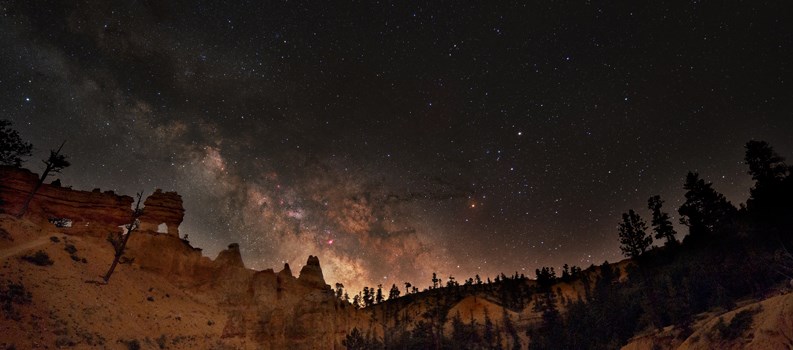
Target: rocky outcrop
<point x="311" y="274"/>
<point x="264" y="286"/>
<point x="171" y="257"/>
<point x="91" y="213"/>
<point x="230" y="258"/>
<point x="162" y="208"/>
<point x="276" y="310"/>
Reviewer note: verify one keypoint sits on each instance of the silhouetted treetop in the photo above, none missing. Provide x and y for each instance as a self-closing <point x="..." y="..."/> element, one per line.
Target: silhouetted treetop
<point x="662" y="224"/>
<point x="705" y="211"/>
<point x="765" y="165"/>
<point x="771" y="197"/>
<point x="634" y="239"/>
<point x="12" y="148"/>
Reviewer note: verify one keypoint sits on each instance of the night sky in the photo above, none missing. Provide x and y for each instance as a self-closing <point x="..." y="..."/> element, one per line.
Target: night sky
<point x="397" y="139"/>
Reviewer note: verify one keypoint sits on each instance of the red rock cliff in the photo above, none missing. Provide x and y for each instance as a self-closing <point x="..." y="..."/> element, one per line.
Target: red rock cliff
<point x="91" y="213"/>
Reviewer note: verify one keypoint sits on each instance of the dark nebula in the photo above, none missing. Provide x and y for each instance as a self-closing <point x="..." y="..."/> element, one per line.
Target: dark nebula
<point x="394" y="140"/>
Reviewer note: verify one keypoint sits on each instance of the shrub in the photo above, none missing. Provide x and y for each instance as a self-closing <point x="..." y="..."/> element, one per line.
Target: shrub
<point x="738" y="325"/>
<point x="70" y="248"/>
<point x="40" y="258"/>
<point x="132" y="344"/>
<point x="5" y="235"/>
<point x="13" y="294"/>
<point x="162" y="341"/>
<point x="64" y="341"/>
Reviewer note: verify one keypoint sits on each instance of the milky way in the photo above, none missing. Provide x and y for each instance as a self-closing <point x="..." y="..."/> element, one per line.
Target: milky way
<point x="397" y="140"/>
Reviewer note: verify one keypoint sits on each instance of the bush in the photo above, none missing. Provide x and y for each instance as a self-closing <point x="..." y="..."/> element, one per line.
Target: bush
<point x="13" y="294"/>
<point x="70" y="248"/>
<point x="162" y="341"/>
<point x="40" y="258"/>
<point x="5" y="235"/>
<point x="133" y="344"/>
<point x="738" y="325"/>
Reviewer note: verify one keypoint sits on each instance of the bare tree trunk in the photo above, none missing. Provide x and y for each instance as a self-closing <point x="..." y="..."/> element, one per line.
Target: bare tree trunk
<point x="51" y="165"/>
<point x="120" y="246"/>
<point x="31" y="194"/>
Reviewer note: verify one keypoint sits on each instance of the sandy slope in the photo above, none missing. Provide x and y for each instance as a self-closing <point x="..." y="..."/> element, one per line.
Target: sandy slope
<point x="68" y="312"/>
<point x="20" y="248"/>
<point x="771" y="328"/>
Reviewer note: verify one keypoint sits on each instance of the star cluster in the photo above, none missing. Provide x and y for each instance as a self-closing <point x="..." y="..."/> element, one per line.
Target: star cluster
<point x="394" y="140"/>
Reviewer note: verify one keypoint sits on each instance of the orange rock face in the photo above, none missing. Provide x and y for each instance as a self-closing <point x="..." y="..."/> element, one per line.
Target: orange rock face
<point x="93" y="213"/>
<point x="311" y="274"/>
<point x="276" y="310"/>
<point x="162" y="208"/>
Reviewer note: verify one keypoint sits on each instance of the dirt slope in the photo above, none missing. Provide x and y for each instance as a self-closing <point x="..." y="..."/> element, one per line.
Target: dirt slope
<point x="768" y="324"/>
<point x="65" y="311"/>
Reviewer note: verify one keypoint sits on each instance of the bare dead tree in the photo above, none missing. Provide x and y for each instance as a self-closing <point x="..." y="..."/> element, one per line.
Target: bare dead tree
<point x="783" y="262"/>
<point x="54" y="164"/>
<point x="119" y="241"/>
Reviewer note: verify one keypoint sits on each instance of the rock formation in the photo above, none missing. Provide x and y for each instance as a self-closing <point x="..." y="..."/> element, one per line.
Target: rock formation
<point x="278" y="310"/>
<point x="170" y="257"/>
<point x="162" y="208"/>
<point x="92" y="213"/>
<point x="311" y="274"/>
<point x="230" y="257"/>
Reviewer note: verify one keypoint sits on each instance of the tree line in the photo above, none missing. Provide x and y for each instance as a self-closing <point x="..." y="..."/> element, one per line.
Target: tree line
<point x="729" y="253"/>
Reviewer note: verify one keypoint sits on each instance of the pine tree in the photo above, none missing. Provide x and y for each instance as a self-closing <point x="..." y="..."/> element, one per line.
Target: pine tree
<point x="765" y="165"/>
<point x="662" y="224"/>
<point x="379" y="295"/>
<point x="634" y="239"/>
<point x="355" y="340"/>
<point x="12" y="148"/>
<point x="394" y="292"/>
<point x="705" y="211"/>
<point x="368" y="296"/>
<point x="771" y="197"/>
